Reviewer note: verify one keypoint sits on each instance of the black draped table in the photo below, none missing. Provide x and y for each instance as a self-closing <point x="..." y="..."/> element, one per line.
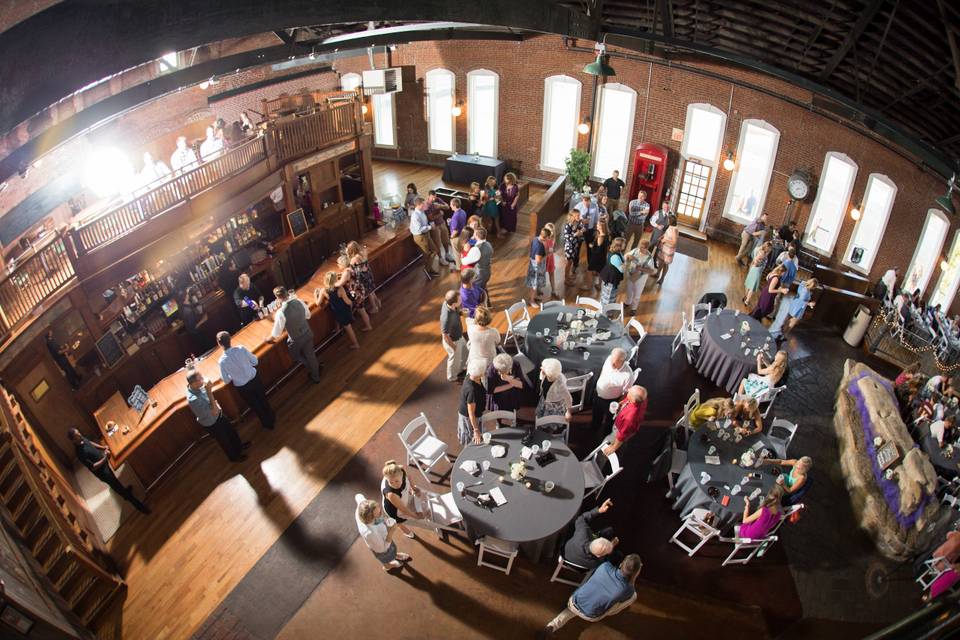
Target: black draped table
<point x="547" y="324"/>
<point x="727" y="361"/>
<point x="693" y="490"/>
<point x="463" y="169"/>
<point x="531" y="515"/>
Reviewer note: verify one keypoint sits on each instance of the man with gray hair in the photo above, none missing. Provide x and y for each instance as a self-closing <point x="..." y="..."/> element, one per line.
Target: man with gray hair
<point x="629" y="418"/>
<point x="612" y="384"/>
<point x="473" y="401"/>
<point x="207" y="409"/>
<point x="588" y="548"/>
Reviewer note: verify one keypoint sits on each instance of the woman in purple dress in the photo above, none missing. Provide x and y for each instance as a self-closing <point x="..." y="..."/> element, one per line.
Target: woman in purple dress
<point x="511" y="202"/>
<point x="768" y="294"/>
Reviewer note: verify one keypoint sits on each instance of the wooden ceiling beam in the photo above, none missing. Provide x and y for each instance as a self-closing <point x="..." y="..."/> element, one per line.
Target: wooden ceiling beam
<point x="866" y="17"/>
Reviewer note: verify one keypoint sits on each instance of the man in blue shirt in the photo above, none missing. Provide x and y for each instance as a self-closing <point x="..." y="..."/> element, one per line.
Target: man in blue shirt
<point x="589" y="214"/>
<point x="606" y="591"/>
<point x="238" y="366"/>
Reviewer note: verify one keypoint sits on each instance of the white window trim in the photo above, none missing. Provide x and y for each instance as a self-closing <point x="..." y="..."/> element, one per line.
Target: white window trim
<point x="613" y="86"/>
<point x="351" y="76"/>
<point x="761" y="201"/>
<point x="496" y="108"/>
<point x="947" y="302"/>
<point x="164" y="65"/>
<point x="710" y="162"/>
<point x="816" y="202"/>
<point x="931" y="213"/>
<point x="547" y="89"/>
<point x="393" y="121"/>
<point x="865" y="268"/>
<point x="433" y="73"/>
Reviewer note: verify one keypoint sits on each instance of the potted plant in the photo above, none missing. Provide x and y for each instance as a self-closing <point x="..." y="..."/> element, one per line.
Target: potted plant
<point x="578" y="169"/>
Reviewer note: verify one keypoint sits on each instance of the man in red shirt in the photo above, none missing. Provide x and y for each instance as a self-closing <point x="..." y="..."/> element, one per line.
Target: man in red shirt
<point x="633" y="409"/>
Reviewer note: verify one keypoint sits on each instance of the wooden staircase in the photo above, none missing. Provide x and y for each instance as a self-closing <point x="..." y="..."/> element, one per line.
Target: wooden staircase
<point x="40" y="505"/>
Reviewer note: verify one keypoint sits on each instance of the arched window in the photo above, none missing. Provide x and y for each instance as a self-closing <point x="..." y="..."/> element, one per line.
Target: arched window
<point x="946" y="288"/>
<point x="699" y="154"/>
<point x="483" y="112"/>
<point x="611" y="149"/>
<point x="440" y="85"/>
<point x="756" y="152"/>
<point x="867" y="234"/>
<point x="831" y="204"/>
<point x="561" y="113"/>
<point x="350" y="81"/>
<point x="927" y="253"/>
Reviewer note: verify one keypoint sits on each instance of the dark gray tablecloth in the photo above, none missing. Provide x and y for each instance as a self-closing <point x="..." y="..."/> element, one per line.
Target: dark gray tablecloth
<point x="537" y="349"/>
<point x="464" y="169"/>
<point x="946" y="467"/>
<point x="689" y="493"/>
<point x="530" y="515"/>
<point x="724" y="361"/>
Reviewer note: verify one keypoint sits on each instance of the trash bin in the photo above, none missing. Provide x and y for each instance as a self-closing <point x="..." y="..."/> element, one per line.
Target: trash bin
<point x="857" y="327"/>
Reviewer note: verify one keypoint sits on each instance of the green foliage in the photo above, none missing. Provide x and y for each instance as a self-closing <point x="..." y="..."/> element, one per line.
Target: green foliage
<point x="578" y="169"/>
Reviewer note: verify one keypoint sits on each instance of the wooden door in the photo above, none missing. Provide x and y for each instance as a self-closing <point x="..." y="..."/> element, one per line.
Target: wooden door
<point x="693" y="188"/>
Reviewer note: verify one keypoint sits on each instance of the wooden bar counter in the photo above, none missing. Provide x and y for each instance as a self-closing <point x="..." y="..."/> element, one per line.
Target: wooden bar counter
<point x="152" y="442"/>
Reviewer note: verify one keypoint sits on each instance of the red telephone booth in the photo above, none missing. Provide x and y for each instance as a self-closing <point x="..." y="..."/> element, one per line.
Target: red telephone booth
<point x="649" y="173"/>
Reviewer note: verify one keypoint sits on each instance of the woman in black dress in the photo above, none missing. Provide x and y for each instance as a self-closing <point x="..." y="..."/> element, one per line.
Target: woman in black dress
<point x="597" y="251"/>
<point x="399" y="496"/>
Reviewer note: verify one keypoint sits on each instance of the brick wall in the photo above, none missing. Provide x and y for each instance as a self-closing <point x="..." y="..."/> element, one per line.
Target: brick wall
<point x="805" y="137"/>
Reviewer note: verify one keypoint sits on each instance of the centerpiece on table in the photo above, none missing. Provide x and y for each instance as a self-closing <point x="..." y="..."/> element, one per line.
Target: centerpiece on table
<point x="518" y="470"/>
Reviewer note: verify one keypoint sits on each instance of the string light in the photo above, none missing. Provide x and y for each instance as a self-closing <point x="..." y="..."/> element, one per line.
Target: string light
<point x="944" y="368"/>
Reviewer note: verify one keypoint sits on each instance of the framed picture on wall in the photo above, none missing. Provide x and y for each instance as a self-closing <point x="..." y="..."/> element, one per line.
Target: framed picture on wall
<point x="298" y="222"/>
<point x="40" y="390"/>
<point x="16" y="619"/>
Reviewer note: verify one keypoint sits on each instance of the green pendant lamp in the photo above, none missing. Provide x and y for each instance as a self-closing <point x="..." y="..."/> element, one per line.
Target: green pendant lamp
<point x="599" y="67"/>
<point x="946" y="202"/>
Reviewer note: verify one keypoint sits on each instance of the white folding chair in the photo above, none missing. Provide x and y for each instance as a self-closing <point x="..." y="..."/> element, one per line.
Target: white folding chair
<point x="692" y="403"/>
<point x="497" y="548"/>
<point x="695" y="525"/>
<point x="698" y="315"/>
<point x="594" y="479"/>
<point x="933" y="568"/>
<point x="768" y="396"/>
<point x="579" y="383"/>
<point x="632" y="357"/>
<point x="634" y="376"/>
<point x="753" y="548"/>
<point x="554" y="421"/>
<point x="552" y="303"/>
<point x="687" y="338"/>
<point x="570" y="568"/>
<point x="443" y="513"/>
<point x="590" y="302"/>
<point x="615" y="308"/>
<point x="638" y="327"/>
<point x="491" y="419"/>
<point x="518" y="318"/>
<point x="781" y="432"/>
<point x="424" y="450"/>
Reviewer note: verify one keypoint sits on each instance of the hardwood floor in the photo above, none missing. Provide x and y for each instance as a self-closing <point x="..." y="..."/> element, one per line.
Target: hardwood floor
<point x="213" y="520"/>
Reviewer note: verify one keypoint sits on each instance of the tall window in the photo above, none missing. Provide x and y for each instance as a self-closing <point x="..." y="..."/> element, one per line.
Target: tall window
<point x="699" y="154"/>
<point x="350" y="81"/>
<point x="561" y="111"/>
<point x="611" y="149"/>
<point x="703" y="132"/>
<point x="830" y="206"/>
<point x="384" y="120"/>
<point x="440" y="101"/>
<point x="949" y="278"/>
<point x="756" y="153"/>
<point x="927" y="253"/>
<point x="483" y="109"/>
<point x="877" y="203"/>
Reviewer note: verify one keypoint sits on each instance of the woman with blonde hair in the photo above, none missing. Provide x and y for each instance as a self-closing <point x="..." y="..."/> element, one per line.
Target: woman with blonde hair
<point x="796" y="483"/>
<point x="751" y="283"/>
<point x="483" y="338"/>
<point x="798" y="306"/>
<point x="377" y="533"/>
<point x="350" y="280"/>
<point x="767" y="376"/>
<point x="399" y="495"/>
<point x="638" y="269"/>
<point x="746" y="411"/>
<point x="667" y="247"/>
<point x="360" y="261"/>
<point x="768" y="294"/>
<point x="555" y="398"/>
<point x="489" y="209"/>
<point x="511" y="202"/>
<point x="612" y="272"/>
<point x="340" y="303"/>
<point x="714" y="409"/>
<point x="573" y="233"/>
<point x="756" y="525"/>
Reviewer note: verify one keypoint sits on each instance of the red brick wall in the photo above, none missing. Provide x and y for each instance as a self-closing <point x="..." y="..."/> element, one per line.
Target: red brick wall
<point x="805" y="137"/>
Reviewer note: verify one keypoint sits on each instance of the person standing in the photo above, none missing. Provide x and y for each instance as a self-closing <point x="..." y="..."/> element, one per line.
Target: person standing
<point x="597" y="249"/>
<point x="612" y="384"/>
<point x="589" y="215"/>
<point x="768" y="293"/>
<point x="153" y="170"/>
<point x="334" y="296"/>
<point x="751" y="284"/>
<point x="481" y="260"/>
<point x="440" y="232"/>
<point x="238" y="366"/>
<point x="291" y="318"/>
<point x="211" y="146"/>
<point x="451" y="334"/>
<point x="247" y="299"/>
<point x="608" y="590"/>
<point x="637" y="212"/>
<point x="613" y="185"/>
<point x="632" y="411"/>
<point x="96" y="458"/>
<point x="377" y="532"/>
<point x="59" y="353"/>
<point x="889" y="280"/>
<point x="659" y="224"/>
<point x="489" y="208"/>
<point x="573" y="233"/>
<point x="420" y="229"/>
<point x="473" y="402"/>
<point x="183" y="157"/>
<point x="510" y="191"/>
<point x="612" y="272"/>
<point x="207" y="410"/>
<point x="667" y="248"/>
<point x="751" y="233"/>
<point x="458" y="220"/>
<point x="537" y="267"/>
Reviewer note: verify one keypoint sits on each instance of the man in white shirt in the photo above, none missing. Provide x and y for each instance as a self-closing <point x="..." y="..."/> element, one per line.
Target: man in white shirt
<point x="211" y="147"/>
<point x="153" y="170"/>
<point x="480" y="257"/>
<point x="889" y="280"/>
<point x="238" y="366"/>
<point x="421" y="228"/>
<point x="291" y="318"/>
<point x="939" y="427"/>
<point x="184" y="157"/>
<point x="616" y="376"/>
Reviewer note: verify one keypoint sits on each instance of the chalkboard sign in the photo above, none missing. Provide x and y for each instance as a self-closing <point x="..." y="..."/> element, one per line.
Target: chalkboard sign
<point x="110" y="349"/>
<point x="138" y="399"/>
<point x="298" y="222"/>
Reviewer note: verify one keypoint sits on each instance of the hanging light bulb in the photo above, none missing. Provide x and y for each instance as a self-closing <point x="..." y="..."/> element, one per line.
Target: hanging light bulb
<point x="457" y="110"/>
<point x="584" y="127"/>
<point x="729" y="164"/>
<point x="364" y="109"/>
<point x="855" y="212"/>
<point x="944" y="265"/>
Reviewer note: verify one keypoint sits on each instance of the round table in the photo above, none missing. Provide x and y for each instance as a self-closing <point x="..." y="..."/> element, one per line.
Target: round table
<point x="529" y="515"/>
<point x="690" y="493"/>
<point x="727" y="361"/>
<point x="538" y="349"/>
<point x="944" y="466"/>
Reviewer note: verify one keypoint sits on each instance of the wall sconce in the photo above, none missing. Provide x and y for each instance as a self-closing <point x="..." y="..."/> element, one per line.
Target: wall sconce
<point x="729" y="164"/>
<point x="855" y="211"/>
<point x="457" y="109"/>
<point x="944" y="265"/>
<point x="364" y="108"/>
<point x="584" y="127"/>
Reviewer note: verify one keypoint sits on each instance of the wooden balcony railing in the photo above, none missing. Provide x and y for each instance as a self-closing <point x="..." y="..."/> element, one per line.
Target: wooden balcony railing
<point x="123" y="219"/>
<point x="33" y="281"/>
<point x="300" y="135"/>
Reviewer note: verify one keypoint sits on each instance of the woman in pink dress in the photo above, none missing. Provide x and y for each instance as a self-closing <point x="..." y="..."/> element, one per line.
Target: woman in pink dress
<point x="511" y="202"/>
<point x="758" y="524"/>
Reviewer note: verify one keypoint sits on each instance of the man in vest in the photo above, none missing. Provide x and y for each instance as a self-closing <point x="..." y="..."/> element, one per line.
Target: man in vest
<point x="483" y="258"/>
<point x="292" y="318"/>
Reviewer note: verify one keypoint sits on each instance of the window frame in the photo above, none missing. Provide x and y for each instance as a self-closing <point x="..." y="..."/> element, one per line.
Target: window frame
<point x="817" y="202"/>
<point x="476" y="73"/>
<point x="713" y="163"/>
<point x="865" y="268"/>
<point x="351" y="75"/>
<point x="731" y="191"/>
<point x="955" y="270"/>
<point x="601" y="91"/>
<point x="932" y="212"/>
<point x="548" y="83"/>
<point x="163" y="64"/>
<point x="435" y="73"/>
<point x="393" y="120"/>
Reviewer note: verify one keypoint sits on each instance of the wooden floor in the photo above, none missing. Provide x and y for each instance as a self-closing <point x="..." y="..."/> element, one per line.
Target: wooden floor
<point x="213" y="520"/>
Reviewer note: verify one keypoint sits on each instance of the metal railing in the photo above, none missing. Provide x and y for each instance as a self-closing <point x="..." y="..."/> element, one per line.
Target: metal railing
<point x="33" y="281"/>
<point x="298" y="136"/>
<point x="123" y="219"/>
